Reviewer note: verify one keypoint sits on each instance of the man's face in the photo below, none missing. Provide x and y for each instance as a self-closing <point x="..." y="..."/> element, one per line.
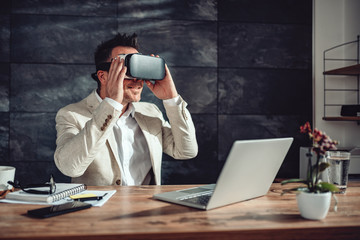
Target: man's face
<point x="132" y="87"/>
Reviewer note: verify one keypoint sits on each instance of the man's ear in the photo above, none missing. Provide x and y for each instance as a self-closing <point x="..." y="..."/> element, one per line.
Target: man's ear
<point x="102" y="76"/>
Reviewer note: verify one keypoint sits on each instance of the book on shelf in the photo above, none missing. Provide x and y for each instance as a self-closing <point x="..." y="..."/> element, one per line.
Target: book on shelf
<point x="63" y="190"/>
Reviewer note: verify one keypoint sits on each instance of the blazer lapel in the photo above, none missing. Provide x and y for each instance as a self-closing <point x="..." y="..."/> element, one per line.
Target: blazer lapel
<point x="148" y="136"/>
<point x="92" y="104"/>
<point x="111" y="141"/>
<point x="144" y="128"/>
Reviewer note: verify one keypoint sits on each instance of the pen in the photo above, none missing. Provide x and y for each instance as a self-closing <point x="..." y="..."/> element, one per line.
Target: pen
<point x="97" y="198"/>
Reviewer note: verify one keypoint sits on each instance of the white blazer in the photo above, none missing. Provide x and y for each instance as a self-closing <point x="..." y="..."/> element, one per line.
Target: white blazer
<point x="86" y="147"/>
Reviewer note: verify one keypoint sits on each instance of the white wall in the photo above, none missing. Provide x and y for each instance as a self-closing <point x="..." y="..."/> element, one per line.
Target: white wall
<point x="335" y="22"/>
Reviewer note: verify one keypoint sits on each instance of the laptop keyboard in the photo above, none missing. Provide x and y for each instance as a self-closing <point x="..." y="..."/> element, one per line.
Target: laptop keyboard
<point x="202" y="199"/>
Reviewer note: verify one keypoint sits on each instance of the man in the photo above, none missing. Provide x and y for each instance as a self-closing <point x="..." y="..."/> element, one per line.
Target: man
<point x="110" y="137"/>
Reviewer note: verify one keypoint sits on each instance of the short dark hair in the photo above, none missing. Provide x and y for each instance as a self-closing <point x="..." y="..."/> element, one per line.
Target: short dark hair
<point x="103" y="51"/>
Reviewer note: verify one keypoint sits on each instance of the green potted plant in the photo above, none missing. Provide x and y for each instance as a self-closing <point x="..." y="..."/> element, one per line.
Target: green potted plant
<point x="314" y="195"/>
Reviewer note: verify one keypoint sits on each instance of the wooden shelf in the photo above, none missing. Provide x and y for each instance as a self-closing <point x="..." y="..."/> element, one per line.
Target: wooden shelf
<point x="341" y="118"/>
<point x="350" y="70"/>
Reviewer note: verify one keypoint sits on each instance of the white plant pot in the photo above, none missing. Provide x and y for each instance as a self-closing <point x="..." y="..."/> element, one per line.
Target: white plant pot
<point x="314" y="206"/>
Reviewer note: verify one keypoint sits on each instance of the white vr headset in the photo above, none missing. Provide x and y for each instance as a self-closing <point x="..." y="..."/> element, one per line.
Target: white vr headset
<point x="138" y="66"/>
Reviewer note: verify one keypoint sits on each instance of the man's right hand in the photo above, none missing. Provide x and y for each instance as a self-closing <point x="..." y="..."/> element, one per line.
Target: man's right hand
<point x="114" y="84"/>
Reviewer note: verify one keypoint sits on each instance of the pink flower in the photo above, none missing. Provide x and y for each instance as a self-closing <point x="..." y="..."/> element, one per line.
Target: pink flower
<point x="305" y="128"/>
<point x="321" y="142"/>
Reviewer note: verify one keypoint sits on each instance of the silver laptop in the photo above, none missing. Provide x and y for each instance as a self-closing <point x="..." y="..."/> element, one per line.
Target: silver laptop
<point x="249" y="171"/>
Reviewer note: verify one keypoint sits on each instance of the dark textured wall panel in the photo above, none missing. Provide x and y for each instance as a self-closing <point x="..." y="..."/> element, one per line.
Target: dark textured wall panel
<point x="189" y="82"/>
<point x="48" y="87"/>
<point x="265" y="11"/>
<point x="205" y="167"/>
<point x="169" y="9"/>
<point x="4" y="38"/>
<point x="66" y="7"/>
<point x="37" y="172"/>
<point x="5" y="7"/>
<point x="32" y="146"/>
<point x="264" y="91"/>
<point x="32" y="137"/>
<point x="199" y="87"/>
<point x="4" y="137"/>
<point x="248" y="45"/>
<point x="242" y="127"/>
<point x="58" y="39"/>
<point x="4" y="87"/>
<point x="243" y="67"/>
<point x="181" y="43"/>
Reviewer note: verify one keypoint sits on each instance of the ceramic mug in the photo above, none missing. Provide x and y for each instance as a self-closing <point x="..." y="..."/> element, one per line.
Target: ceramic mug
<point x="7" y="173"/>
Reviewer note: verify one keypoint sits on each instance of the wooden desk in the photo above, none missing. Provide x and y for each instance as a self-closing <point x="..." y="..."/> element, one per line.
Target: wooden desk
<point x="132" y="214"/>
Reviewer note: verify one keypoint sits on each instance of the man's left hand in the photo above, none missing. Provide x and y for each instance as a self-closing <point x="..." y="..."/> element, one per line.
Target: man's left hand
<point x="163" y="89"/>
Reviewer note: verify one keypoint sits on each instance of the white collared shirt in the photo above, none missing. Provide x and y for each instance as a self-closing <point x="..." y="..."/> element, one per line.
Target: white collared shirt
<point x="134" y="165"/>
<point x="133" y="149"/>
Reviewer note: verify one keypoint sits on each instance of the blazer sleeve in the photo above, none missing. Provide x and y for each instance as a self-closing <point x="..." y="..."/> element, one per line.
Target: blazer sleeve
<point x="179" y="140"/>
<point x="81" y="137"/>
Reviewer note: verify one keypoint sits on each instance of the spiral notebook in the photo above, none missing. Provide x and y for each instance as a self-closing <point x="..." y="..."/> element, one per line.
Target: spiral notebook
<point x="63" y="190"/>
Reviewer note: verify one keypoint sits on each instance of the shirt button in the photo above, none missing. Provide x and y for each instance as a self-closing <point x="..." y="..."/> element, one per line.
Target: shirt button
<point x="118" y="182"/>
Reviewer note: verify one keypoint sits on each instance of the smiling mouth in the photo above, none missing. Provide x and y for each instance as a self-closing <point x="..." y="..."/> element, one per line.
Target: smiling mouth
<point x="134" y="87"/>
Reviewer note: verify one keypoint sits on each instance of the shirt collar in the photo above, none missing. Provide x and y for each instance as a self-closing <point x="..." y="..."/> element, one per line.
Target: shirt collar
<point x="98" y="97"/>
<point x="129" y="111"/>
